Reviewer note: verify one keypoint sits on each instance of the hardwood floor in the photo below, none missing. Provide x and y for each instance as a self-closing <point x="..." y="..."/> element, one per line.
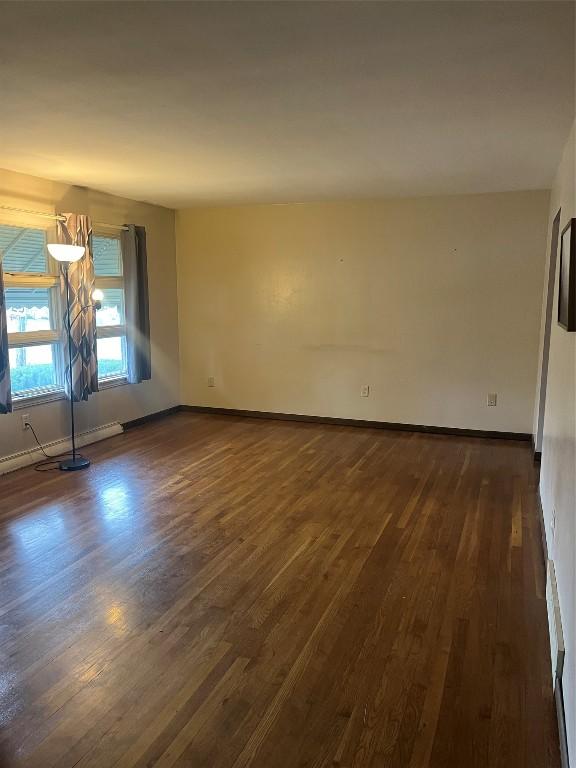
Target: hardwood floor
<point x="227" y="592"/>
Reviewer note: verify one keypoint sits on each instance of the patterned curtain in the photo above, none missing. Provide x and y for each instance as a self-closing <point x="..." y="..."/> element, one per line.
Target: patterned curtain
<point x="77" y="230"/>
<point x="5" y="390"/>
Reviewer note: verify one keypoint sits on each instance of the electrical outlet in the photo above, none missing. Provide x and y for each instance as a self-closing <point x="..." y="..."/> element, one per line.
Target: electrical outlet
<point x="25" y="421"/>
<point x="364" y="390"/>
<point x="211" y="382"/>
<point x="492" y="398"/>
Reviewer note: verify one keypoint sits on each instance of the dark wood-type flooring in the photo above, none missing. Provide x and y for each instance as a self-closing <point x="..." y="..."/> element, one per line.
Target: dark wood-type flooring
<point x="226" y="592"/>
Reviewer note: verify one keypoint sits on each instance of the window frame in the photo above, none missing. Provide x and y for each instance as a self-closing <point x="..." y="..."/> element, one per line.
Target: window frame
<point x="56" y="337"/>
<point x="50" y="280"/>
<point x="104" y="282"/>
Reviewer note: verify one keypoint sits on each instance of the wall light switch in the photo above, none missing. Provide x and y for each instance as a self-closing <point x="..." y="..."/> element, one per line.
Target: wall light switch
<point x="492" y="398"/>
<point x="364" y="390"/>
<point x="211" y="382"/>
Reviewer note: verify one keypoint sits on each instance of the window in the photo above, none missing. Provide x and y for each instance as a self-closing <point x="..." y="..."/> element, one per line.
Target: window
<point x="111" y="319"/>
<point x="33" y="311"/>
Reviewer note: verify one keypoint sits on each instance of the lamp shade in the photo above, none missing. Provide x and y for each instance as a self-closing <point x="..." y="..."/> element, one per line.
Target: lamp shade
<point x="64" y="252"/>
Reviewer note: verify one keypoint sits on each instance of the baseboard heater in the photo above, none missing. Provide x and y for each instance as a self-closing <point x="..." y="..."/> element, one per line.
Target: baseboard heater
<point x="557" y="654"/>
<point x="31" y="456"/>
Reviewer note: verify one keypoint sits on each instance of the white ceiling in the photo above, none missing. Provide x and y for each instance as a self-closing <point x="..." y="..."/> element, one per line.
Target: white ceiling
<point x="181" y="103"/>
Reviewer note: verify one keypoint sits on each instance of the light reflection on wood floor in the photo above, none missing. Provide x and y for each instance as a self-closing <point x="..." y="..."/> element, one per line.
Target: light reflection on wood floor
<point x="228" y="592"/>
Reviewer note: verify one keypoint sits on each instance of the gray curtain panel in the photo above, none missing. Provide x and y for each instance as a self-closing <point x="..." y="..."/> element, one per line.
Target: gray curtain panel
<point x="135" y="260"/>
<point x="5" y="389"/>
<point x="77" y="230"/>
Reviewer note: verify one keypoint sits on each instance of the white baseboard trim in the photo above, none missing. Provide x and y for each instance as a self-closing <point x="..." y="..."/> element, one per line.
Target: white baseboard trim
<point x="25" y="458"/>
<point x="557" y="653"/>
<point x="557" y="650"/>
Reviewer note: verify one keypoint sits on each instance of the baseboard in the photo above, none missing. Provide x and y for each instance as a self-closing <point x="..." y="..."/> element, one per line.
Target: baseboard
<point x="151" y="417"/>
<point x="557" y="678"/>
<point x="359" y="423"/>
<point x="555" y="632"/>
<point x="25" y="458"/>
<point x="542" y="529"/>
<point x="562" y="733"/>
<point x="558" y="691"/>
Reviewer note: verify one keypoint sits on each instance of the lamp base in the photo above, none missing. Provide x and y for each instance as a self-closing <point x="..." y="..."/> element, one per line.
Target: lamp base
<point x="72" y="465"/>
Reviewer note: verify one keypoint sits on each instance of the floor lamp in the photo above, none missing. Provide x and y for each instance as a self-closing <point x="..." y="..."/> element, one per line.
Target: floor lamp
<point x="66" y="255"/>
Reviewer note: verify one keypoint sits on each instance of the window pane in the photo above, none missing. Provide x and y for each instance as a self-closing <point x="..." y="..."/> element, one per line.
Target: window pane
<point x="28" y="309"/>
<point x="107" y="256"/>
<point x="23" y="250"/>
<point x="111" y="357"/>
<point x="32" y="368"/>
<point x="112" y="312"/>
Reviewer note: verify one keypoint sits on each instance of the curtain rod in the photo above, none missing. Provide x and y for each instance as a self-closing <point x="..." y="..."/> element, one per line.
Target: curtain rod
<point x="55" y="217"/>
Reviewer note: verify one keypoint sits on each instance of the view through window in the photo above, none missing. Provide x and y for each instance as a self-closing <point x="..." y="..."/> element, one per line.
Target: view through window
<point x="33" y="311"/>
<point x="111" y="319"/>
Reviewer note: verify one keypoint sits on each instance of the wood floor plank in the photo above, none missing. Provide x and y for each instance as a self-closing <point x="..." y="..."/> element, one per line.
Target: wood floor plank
<point x="223" y="592"/>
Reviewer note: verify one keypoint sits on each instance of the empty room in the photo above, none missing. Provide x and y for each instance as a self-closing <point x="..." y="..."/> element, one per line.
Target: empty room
<point x="288" y="384"/>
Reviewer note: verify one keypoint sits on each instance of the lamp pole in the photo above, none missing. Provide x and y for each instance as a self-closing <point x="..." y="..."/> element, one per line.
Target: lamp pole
<point x="76" y="462"/>
<point x="69" y="329"/>
<point x="67" y="254"/>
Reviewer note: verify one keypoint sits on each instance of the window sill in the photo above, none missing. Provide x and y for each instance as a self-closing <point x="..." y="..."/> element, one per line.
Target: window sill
<point x="39" y="399"/>
<point x="113" y="381"/>
<point x="18" y="403"/>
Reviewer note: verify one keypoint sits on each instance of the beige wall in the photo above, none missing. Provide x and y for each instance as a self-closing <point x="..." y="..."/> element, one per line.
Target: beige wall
<point x="558" y="471"/>
<point x="433" y="302"/>
<point x="125" y="402"/>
